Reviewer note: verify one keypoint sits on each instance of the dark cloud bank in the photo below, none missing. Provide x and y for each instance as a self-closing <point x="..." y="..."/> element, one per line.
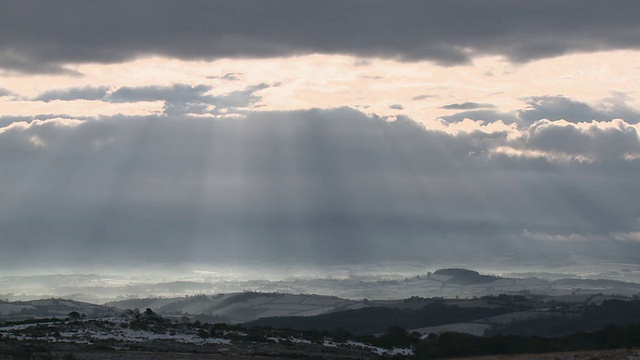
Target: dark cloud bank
<point x="325" y="186"/>
<point x="40" y="36"/>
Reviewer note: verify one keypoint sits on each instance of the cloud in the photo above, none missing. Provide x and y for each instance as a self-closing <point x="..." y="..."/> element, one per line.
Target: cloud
<point x="14" y="62"/>
<point x="396" y="107"/>
<point x="239" y="98"/>
<point x="556" y="107"/>
<point x="78" y="93"/>
<point x="7" y="120"/>
<point x="174" y="93"/>
<point x="448" y="33"/>
<point x="315" y="185"/>
<point x="178" y="98"/>
<point x="597" y="141"/>
<point x="422" y="97"/>
<point x="5" y="92"/>
<point x="186" y="99"/>
<point x="467" y="106"/>
<point x="631" y="236"/>
<point x="227" y="77"/>
<point x="560" y="107"/>
<point x="189" y="99"/>
<point x="560" y="140"/>
<point x="554" y="237"/>
<point x="487" y="116"/>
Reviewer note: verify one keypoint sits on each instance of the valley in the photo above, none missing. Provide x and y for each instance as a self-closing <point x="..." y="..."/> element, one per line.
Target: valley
<point x="270" y="324"/>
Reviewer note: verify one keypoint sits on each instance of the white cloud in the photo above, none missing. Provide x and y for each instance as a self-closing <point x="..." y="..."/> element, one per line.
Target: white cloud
<point x="633" y="236"/>
<point x="537" y="236"/>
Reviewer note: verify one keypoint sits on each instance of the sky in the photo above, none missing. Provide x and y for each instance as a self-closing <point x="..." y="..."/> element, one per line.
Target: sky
<point x="169" y="132"/>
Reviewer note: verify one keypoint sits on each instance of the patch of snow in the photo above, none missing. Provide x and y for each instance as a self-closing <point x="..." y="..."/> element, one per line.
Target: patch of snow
<point x="17" y="327"/>
<point x="328" y="343"/>
<point x="379" y="350"/>
<point x="217" y="341"/>
<point x="299" y="341"/>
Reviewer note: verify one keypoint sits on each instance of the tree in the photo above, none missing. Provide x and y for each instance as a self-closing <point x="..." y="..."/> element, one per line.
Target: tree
<point x="395" y="336"/>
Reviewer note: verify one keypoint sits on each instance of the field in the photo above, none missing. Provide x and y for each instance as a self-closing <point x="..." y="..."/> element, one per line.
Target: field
<point x="620" y="354"/>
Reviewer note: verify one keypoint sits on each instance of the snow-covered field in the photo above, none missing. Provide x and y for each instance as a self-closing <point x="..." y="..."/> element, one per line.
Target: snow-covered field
<point x="119" y="332"/>
<point x="90" y="331"/>
<point x="381" y="351"/>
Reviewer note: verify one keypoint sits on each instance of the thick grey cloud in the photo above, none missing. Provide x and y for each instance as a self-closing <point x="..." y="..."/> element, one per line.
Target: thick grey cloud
<point x="44" y="35"/>
<point x="5" y="92"/>
<point x="317" y="185"/>
<point x="467" y="106"/>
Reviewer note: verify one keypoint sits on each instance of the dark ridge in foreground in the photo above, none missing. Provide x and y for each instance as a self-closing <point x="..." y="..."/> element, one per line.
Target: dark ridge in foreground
<point x="154" y="337"/>
<point x="377" y="319"/>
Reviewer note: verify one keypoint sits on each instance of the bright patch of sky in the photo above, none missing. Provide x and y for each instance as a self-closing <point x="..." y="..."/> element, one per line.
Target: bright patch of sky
<point x="425" y="91"/>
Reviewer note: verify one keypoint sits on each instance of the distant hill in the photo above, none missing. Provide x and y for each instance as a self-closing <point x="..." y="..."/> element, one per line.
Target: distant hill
<point x="19" y="310"/>
<point x="242" y="307"/>
<point x="466" y="277"/>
